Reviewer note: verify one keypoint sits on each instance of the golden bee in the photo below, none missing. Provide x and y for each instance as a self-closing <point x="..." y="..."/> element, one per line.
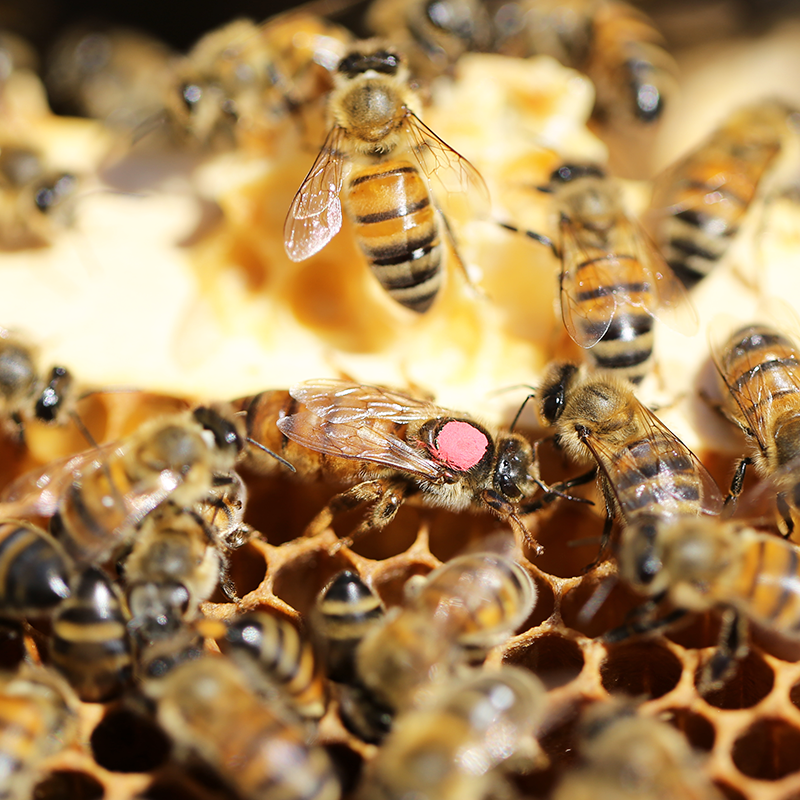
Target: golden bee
<point x="38" y="718"/>
<point x="699" y="203"/>
<point x="345" y="611"/>
<point x="646" y="473"/>
<point x="208" y="708"/>
<point x="613" y="282"/>
<point x="700" y="564"/>
<point x="380" y="149"/>
<point x="90" y="644"/>
<point x="612" y="43"/>
<point x="273" y="649"/>
<point x="390" y="447"/>
<point x="463" y="741"/>
<point x="625" y="755"/>
<point x="449" y="619"/>
<point x="760" y="380"/>
<point x="96" y="499"/>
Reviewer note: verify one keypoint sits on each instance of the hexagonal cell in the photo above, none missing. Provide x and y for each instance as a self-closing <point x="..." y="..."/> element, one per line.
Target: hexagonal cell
<point x="451" y="534"/>
<point x="697" y="631"/>
<point x="396" y="538"/>
<point x="68" y="785"/>
<point x="751" y="683"/>
<point x="767" y="750"/>
<point x="699" y="731"/>
<point x="299" y="582"/>
<point x="554" y="659"/>
<point x="586" y="610"/>
<point x="128" y="742"/>
<point x="390" y="584"/>
<point x="247" y="568"/>
<point x="640" y="668"/>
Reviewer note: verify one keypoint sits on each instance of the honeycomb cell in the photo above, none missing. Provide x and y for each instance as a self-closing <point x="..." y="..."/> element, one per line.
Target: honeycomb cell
<point x="68" y="785"/>
<point x="698" y="631"/>
<point x="698" y="730"/>
<point x="767" y="750"/>
<point x="794" y="695"/>
<point x="729" y="791"/>
<point x="390" y="585"/>
<point x="640" y="669"/>
<point x="751" y="683"/>
<point x="555" y="660"/>
<point x="449" y="535"/>
<point x="545" y="603"/>
<point x="585" y="608"/>
<point x="298" y="583"/>
<point x="571" y="541"/>
<point x="247" y="568"/>
<point x="128" y="742"/>
<point x="396" y="538"/>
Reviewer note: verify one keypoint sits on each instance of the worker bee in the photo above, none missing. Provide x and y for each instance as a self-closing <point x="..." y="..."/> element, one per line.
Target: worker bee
<point x="271" y="647"/>
<point x="450" y="619"/>
<point x="35" y="570"/>
<point x="700" y="201"/>
<point x="345" y="611"/>
<point x="760" y="380"/>
<point x="38" y="717"/>
<point x="90" y="644"/>
<point x="613" y="281"/>
<point x="377" y="133"/>
<point x="614" y="44"/>
<point x="462" y="742"/>
<point x="701" y="564"/>
<point x="209" y="710"/>
<point x="646" y="473"/>
<point x="625" y="755"/>
<point x="244" y="79"/>
<point x="432" y="33"/>
<point x="389" y="447"/>
<point x="96" y="499"/>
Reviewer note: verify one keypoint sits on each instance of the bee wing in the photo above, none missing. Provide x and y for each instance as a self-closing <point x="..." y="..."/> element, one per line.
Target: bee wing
<point x="39" y="492"/>
<point x="672" y="457"/>
<point x="451" y="175"/>
<point x="340" y="419"/>
<point x="315" y="215"/>
<point x="583" y="330"/>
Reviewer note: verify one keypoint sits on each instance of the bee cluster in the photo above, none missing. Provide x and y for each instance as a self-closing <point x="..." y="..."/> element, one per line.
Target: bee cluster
<point x="235" y="564"/>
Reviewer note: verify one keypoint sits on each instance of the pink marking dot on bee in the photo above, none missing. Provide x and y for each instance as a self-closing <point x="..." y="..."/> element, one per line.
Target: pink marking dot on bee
<point x="460" y="445"/>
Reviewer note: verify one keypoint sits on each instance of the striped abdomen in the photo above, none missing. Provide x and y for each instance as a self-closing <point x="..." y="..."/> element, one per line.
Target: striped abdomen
<point x="397" y="230"/>
<point x="275" y="648"/>
<point x="768" y="585"/>
<point x="627" y="345"/>
<point x="34" y="570"/>
<point x="90" y="645"/>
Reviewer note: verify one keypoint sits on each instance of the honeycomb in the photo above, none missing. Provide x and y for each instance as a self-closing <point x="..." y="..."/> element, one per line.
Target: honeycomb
<point x="171" y="278"/>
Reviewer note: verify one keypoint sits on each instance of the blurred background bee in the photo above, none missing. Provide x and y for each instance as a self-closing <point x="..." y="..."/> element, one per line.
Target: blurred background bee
<point x="377" y="151"/>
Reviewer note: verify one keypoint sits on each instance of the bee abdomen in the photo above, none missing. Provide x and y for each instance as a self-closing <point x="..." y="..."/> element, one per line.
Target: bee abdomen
<point x="397" y="230"/>
<point x="627" y="346"/>
<point x="34" y="572"/>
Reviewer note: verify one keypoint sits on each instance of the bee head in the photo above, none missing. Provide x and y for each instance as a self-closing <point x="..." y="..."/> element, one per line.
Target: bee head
<point x="357" y="62"/>
<point x="226" y="436"/>
<point x="512" y="473"/>
<point x="567" y="173"/>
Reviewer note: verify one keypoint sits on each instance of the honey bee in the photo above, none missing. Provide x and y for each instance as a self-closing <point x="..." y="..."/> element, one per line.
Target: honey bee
<point x="701" y="564"/>
<point x="628" y="756"/>
<point x="646" y="473"/>
<point x="35" y="570"/>
<point x="700" y="201"/>
<point x="612" y="43"/>
<point x="760" y="380"/>
<point x="90" y="644"/>
<point x="450" y="619"/>
<point x="38" y="717"/>
<point x="613" y="282"/>
<point x="390" y="447"/>
<point x="345" y="611"/>
<point x="26" y="391"/>
<point x="432" y="33"/>
<point x="208" y="709"/>
<point x="462" y="742"/>
<point x="376" y="132"/>
<point x="244" y="79"/>
<point x="96" y="499"/>
<point x="272" y="647"/>
<point x="222" y="509"/>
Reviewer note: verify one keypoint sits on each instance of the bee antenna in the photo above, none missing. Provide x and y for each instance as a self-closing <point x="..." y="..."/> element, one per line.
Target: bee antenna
<point x="81" y="426"/>
<point x="272" y="453"/>
<point x="537" y="237"/>
<point x="530" y="396"/>
<point x="597" y="598"/>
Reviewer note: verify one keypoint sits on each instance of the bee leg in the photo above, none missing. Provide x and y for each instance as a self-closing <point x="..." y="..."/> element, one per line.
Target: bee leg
<point x="732" y="647"/>
<point x="637" y="627"/>
<point x="786" y="524"/>
<point x="226" y="582"/>
<point x="737" y="483"/>
<point x="605" y="538"/>
<point x="560" y="489"/>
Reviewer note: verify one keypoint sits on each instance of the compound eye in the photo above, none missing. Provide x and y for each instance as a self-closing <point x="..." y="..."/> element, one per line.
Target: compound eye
<point x="224" y="432"/>
<point x="511" y="470"/>
<point x="555" y="395"/>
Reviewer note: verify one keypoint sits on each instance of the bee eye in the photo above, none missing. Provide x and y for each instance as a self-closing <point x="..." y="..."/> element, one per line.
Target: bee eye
<point x="511" y="470"/>
<point x="554" y="394"/>
<point x="224" y="432"/>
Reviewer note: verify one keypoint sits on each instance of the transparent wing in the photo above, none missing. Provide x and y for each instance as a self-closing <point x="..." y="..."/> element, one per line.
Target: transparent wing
<point x="659" y="464"/>
<point x="453" y="179"/>
<point x="360" y="422"/>
<point x="315" y="215"/>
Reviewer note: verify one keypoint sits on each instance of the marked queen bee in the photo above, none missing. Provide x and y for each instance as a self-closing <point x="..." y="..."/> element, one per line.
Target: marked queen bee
<point x="390" y="446"/>
<point x="375" y="157"/>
